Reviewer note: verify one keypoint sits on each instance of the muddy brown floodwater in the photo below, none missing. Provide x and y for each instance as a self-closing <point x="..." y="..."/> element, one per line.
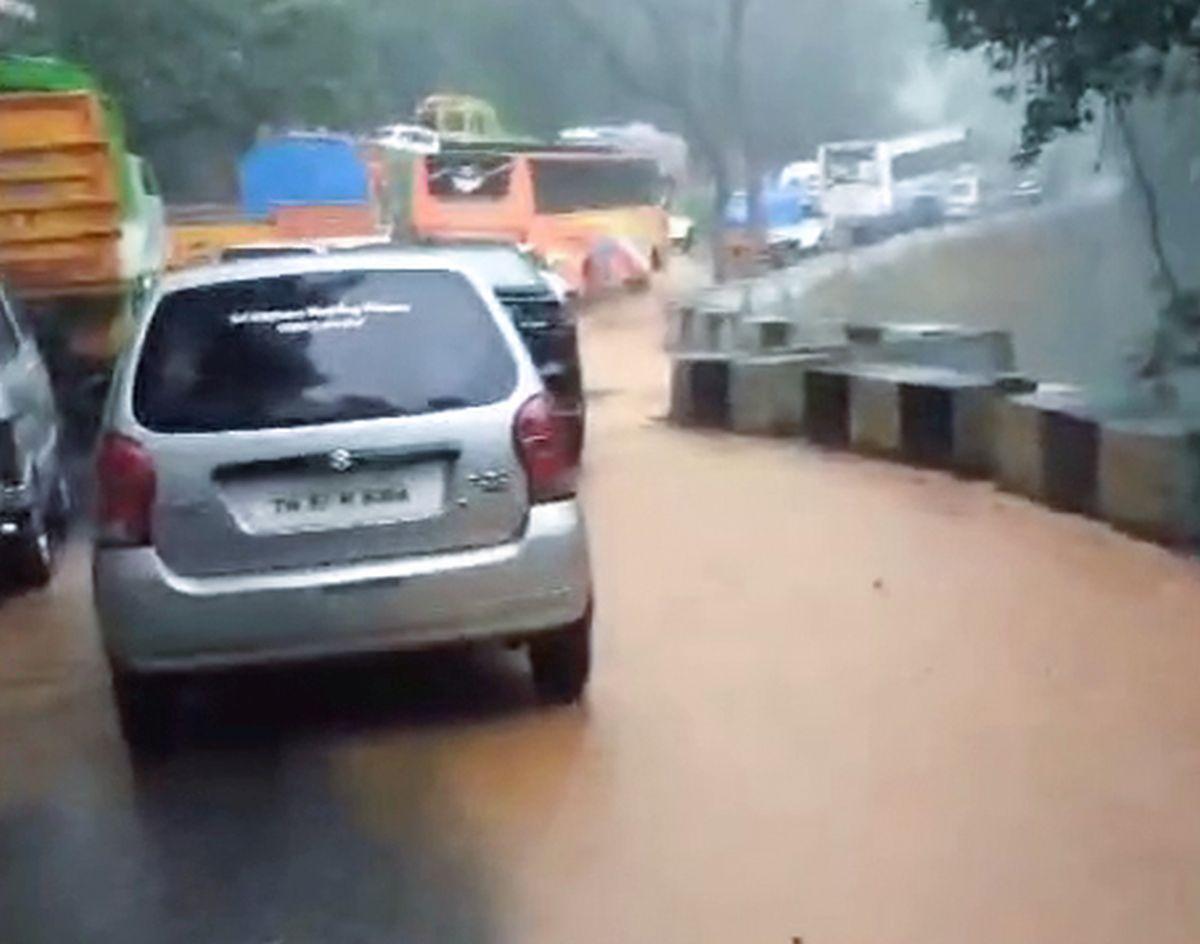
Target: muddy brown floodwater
<point x="835" y="700"/>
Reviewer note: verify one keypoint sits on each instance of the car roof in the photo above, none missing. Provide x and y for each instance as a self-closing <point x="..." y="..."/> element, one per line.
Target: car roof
<point x="245" y="270"/>
<point x="500" y="265"/>
<point x="268" y="248"/>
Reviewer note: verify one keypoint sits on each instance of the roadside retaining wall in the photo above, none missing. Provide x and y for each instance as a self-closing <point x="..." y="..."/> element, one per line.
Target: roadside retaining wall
<point x="767" y="392"/>
<point x="1148" y="479"/>
<point x="941" y="398"/>
<point x="700" y="390"/>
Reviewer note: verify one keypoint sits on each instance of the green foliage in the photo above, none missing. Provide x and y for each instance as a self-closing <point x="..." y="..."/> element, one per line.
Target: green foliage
<point x="1064" y="56"/>
<point x="198" y="79"/>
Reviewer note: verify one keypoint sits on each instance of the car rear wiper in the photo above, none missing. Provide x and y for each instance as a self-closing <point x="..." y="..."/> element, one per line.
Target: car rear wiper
<point x="446" y="403"/>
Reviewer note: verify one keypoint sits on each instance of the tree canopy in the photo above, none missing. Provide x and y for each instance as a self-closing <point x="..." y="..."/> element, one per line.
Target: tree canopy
<point x="1065" y="56"/>
<point x="198" y="78"/>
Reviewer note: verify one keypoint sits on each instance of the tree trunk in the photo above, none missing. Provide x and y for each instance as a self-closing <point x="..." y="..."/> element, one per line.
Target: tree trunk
<point x="721" y="194"/>
<point x="1176" y="320"/>
<point x="756" y="223"/>
<point x="714" y="125"/>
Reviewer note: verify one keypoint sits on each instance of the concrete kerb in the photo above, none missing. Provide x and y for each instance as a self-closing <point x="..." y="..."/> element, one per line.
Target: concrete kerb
<point x="1071" y="449"/>
<point x="1017" y="447"/>
<point x="875" y="423"/>
<point x="1140" y="475"/>
<point x="1047" y="446"/>
<point x="971" y="350"/>
<point x="767" y="394"/>
<point x="1149" y="479"/>
<point x="681" y="319"/>
<point x="827" y="406"/>
<point x="715" y="330"/>
<point x="923" y="415"/>
<point x="700" y="390"/>
<point x="933" y="395"/>
<point x="948" y="419"/>
<point x="706" y="324"/>
<point x="766" y="334"/>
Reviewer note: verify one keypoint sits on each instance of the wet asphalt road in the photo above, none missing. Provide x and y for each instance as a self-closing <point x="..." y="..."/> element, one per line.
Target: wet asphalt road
<point x="835" y="699"/>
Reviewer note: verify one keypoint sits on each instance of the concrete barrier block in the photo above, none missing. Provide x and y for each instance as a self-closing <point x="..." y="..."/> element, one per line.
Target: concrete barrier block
<point x="875" y="415"/>
<point x="927" y="416"/>
<point x="1070" y="456"/>
<point x="827" y="406"/>
<point x="1017" y="446"/>
<point x="1047" y="448"/>
<point x="720" y="331"/>
<point x="680" y="328"/>
<point x="971" y="350"/>
<point x="946" y="418"/>
<point x="1149" y="479"/>
<point x="927" y="422"/>
<point x="700" y="390"/>
<point x="975" y="429"/>
<point x="703" y="328"/>
<point x="767" y="393"/>
<point x="765" y="335"/>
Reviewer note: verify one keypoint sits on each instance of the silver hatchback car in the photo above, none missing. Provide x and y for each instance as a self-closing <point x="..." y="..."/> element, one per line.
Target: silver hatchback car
<point x="319" y="456"/>
<point x="34" y="496"/>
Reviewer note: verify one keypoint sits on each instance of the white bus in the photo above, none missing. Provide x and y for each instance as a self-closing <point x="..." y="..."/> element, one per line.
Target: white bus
<point x="872" y="189"/>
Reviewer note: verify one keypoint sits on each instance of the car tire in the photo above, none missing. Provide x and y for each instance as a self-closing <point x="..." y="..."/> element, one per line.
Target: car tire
<point x="562" y="662"/>
<point x="61" y="506"/>
<point x="34" y="551"/>
<point x="145" y="712"/>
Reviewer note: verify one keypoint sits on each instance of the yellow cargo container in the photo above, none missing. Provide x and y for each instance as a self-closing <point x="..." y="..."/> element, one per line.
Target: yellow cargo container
<point x="60" y="195"/>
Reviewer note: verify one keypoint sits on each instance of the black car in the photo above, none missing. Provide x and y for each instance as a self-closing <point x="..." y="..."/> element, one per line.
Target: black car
<point x="544" y="319"/>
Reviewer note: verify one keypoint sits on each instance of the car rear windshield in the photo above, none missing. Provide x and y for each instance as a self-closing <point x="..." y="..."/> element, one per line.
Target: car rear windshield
<point x="313" y="348"/>
<point x="533" y="311"/>
<point x="502" y="268"/>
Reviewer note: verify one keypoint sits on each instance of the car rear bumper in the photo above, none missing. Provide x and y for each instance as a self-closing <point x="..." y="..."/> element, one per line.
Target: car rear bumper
<point x="154" y="620"/>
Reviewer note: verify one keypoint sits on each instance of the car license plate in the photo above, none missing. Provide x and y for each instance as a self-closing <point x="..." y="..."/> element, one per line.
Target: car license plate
<point x="329" y="501"/>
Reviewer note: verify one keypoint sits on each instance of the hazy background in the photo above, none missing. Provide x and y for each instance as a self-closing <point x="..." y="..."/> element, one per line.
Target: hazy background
<point x="198" y="79"/>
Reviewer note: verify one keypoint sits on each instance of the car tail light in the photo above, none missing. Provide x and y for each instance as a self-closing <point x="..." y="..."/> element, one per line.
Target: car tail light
<point x="543" y="443"/>
<point x="127" y="483"/>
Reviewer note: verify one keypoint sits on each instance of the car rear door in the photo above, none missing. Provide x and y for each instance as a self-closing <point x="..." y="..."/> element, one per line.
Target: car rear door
<point x="329" y="418"/>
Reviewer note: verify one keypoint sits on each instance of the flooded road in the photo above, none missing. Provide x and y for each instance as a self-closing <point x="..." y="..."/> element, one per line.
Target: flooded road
<point x="835" y="700"/>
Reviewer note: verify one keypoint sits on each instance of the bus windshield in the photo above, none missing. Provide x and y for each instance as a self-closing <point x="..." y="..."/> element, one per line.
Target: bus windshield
<point x="464" y="176"/>
<point x="563" y="185"/>
<point x="852" y="165"/>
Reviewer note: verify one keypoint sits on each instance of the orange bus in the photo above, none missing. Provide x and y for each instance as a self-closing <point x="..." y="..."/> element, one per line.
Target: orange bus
<point x="597" y="217"/>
